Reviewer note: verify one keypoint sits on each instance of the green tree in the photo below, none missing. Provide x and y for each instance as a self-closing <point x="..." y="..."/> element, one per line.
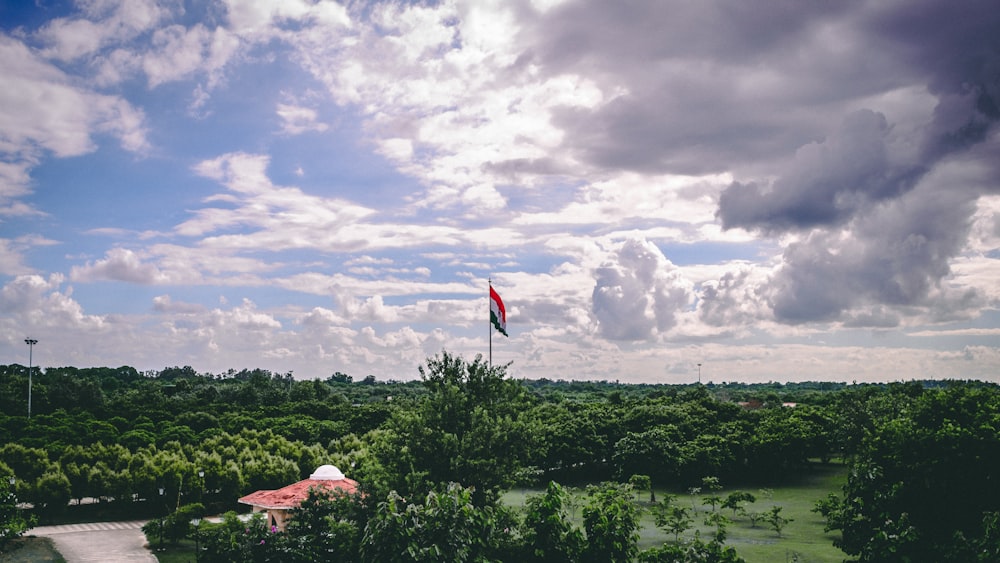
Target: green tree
<point x="642" y="483"/>
<point x="923" y="479"/>
<point x="177" y="525"/>
<point x="672" y="519"/>
<point x="13" y="521"/>
<point x="447" y="527"/>
<point x="548" y="533"/>
<point x="736" y="499"/>
<point x="776" y="520"/>
<point x="326" y="527"/>
<point x="611" y="521"/>
<point x="468" y="430"/>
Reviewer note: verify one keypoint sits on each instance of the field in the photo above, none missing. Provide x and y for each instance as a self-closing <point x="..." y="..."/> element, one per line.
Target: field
<point x="802" y="540"/>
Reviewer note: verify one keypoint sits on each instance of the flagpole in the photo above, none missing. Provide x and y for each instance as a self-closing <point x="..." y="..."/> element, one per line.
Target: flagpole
<point x="489" y="321"/>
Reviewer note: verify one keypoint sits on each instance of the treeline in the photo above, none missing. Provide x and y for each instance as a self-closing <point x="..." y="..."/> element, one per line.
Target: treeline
<point x="155" y="442"/>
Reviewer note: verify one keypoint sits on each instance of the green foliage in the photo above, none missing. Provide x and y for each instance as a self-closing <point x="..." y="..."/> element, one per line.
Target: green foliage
<point x="611" y="521"/>
<point x="642" y="483"/>
<point x="548" y="533"/>
<point x="736" y="499"/>
<point x="776" y="520"/>
<point x="672" y="519"/>
<point x="177" y="525"/>
<point x="694" y="551"/>
<point x="236" y="541"/>
<point x="326" y="527"/>
<point x="467" y="430"/>
<point x="13" y="521"/>
<point x="923" y="478"/>
<point x="446" y="527"/>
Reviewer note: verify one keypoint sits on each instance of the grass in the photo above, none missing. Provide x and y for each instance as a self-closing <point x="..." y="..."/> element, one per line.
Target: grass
<point x="803" y="540"/>
<point x="31" y="550"/>
<point x="180" y="552"/>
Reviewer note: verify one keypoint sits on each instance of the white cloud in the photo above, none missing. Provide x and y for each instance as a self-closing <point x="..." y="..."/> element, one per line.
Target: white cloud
<point x="178" y="52"/>
<point x="639" y="293"/>
<point x="69" y="115"/>
<point x="119" y="264"/>
<point x="296" y="120"/>
<point x="103" y="23"/>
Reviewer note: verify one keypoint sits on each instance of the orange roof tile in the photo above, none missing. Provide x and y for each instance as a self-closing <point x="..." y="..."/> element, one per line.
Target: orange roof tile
<point x="292" y="496"/>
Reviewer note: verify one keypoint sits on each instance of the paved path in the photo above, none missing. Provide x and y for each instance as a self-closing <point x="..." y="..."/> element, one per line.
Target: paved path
<point x="99" y="542"/>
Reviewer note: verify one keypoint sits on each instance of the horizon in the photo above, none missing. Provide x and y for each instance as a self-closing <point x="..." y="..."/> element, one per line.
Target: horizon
<point x="659" y="192"/>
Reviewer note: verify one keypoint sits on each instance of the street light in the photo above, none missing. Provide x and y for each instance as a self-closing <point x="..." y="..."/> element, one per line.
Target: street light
<point x="160" y="519"/>
<point x="31" y="348"/>
<point x="699" y="374"/>
<point x="197" y="539"/>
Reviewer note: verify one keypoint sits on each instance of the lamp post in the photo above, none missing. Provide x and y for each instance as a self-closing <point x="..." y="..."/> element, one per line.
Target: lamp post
<point x="160" y="520"/>
<point x="197" y="521"/>
<point x="197" y="539"/>
<point x="31" y="348"/>
<point x="699" y="374"/>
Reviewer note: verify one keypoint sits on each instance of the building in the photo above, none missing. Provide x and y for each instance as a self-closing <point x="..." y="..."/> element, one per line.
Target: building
<point x="279" y="503"/>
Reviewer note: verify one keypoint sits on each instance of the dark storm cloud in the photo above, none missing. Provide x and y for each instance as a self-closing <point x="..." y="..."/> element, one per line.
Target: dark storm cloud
<point x="703" y="87"/>
<point x="895" y="255"/>
<point x="955" y="50"/>
<point x="826" y="182"/>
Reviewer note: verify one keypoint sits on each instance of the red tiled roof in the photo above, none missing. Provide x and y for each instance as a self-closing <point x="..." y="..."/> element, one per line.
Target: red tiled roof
<point x="292" y="496"/>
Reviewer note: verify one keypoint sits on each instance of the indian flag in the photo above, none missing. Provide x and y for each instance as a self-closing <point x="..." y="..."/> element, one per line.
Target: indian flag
<point x="498" y="314"/>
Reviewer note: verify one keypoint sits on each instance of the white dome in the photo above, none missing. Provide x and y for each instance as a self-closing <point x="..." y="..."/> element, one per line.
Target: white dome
<point x="327" y="473"/>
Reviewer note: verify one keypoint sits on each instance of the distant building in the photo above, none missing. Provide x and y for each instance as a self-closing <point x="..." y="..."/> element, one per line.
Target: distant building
<point x="279" y="503"/>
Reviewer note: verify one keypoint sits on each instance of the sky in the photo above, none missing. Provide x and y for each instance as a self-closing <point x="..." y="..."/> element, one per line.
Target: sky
<point x="661" y="192"/>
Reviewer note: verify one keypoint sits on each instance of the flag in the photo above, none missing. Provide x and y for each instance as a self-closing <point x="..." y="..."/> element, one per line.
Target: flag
<point x="498" y="314"/>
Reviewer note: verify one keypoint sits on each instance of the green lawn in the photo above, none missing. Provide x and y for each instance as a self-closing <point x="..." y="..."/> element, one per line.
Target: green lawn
<point x="31" y="550"/>
<point x="802" y="540"/>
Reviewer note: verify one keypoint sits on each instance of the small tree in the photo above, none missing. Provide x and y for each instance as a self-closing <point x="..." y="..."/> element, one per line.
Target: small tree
<point x="612" y="523"/>
<point x="736" y="499"/>
<point x="712" y="500"/>
<point x="694" y="492"/>
<point x="642" y="483"/>
<point x="776" y="520"/>
<point x="720" y="523"/>
<point x="548" y="533"/>
<point x="673" y="519"/>
<point x="177" y="525"/>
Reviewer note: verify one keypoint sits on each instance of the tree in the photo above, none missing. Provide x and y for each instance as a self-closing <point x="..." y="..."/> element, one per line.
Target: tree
<point x="736" y="499"/>
<point x="672" y="519"/>
<point x="696" y="550"/>
<point x="922" y="481"/>
<point x="611" y="520"/>
<point x="547" y="531"/>
<point x="446" y="527"/>
<point x="326" y="527"/>
<point x="177" y="525"/>
<point x="642" y="483"/>
<point x="13" y="522"/>
<point x="468" y="430"/>
<point x="776" y="520"/>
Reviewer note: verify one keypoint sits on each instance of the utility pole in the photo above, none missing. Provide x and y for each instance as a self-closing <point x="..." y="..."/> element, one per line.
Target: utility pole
<point x="31" y="348"/>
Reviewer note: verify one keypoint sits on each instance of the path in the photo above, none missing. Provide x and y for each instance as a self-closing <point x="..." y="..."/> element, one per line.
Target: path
<point x="99" y="542"/>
